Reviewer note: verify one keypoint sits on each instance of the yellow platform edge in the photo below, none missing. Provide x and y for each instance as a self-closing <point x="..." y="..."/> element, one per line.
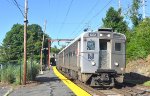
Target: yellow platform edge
<point x="76" y="89"/>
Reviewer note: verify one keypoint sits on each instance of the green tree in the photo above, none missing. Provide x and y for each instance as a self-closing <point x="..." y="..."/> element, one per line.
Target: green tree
<point x="138" y="47"/>
<point x="55" y="49"/>
<point x="12" y="44"/>
<point x="135" y="16"/>
<point x="12" y="47"/>
<point x="115" y="21"/>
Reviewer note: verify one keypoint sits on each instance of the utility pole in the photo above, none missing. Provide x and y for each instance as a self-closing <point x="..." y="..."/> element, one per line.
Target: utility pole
<point x="25" y="42"/>
<point x="119" y="4"/>
<point x="143" y="3"/>
<point x="41" y="59"/>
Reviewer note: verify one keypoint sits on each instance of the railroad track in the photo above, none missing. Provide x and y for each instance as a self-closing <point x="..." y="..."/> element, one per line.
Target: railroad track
<point x="128" y="91"/>
<point x="122" y="90"/>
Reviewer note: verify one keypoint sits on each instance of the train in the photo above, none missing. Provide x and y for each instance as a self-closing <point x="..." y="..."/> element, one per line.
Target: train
<point x="95" y="58"/>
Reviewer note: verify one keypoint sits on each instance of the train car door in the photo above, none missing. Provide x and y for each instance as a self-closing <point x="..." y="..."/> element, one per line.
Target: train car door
<point x="78" y="53"/>
<point x="104" y="56"/>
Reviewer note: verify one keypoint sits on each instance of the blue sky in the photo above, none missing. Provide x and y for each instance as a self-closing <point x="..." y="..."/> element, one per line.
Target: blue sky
<point x="65" y="18"/>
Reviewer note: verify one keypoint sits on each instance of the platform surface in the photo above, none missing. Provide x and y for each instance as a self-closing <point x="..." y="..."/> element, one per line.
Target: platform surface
<point x="77" y="90"/>
<point x="47" y="84"/>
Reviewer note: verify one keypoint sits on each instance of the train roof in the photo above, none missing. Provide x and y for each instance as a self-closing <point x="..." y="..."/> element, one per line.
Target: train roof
<point x="109" y="30"/>
<point x="77" y="38"/>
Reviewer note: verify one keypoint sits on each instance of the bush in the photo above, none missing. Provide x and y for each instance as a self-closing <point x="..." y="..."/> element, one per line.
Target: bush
<point x="32" y="71"/>
<point x="12" y="74"/>
<point x="8" y="74"/>
<point x="138" y="45"/>
<point x="35" y="70"/>
<point x="18" y="74"/>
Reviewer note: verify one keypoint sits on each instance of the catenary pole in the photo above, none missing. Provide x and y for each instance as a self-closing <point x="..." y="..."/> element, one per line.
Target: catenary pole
<point x="143" y="3"/>
<point x="41" y="59"/>
<point x="25" y="42"/>
<point x="119" y="4"/>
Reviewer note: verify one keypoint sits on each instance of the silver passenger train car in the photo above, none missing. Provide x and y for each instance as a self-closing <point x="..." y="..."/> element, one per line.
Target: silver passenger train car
<point x="95" y="58"/>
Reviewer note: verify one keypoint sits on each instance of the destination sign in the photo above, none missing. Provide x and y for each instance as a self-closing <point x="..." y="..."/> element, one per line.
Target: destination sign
<point x="93" y="34"/>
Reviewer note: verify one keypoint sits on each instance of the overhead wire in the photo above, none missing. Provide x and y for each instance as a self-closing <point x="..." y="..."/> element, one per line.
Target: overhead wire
<point x="13" y="3"/>
<point x="93" y="7"/>
<point x="56" y="13"/>
<point x="61" y="27"/>
<point x="17" y="5"/>
<point x="8" y="1"/>
<point x="99" y="11"/>
<point x="94" y="16"/>
<point x="123" y="13"/>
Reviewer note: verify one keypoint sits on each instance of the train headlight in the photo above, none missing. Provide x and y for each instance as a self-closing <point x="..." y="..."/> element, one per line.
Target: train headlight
<point x="108" y="35"/>
<point x="93" y="63"/>
<point x="116" y="64"/>
<point x="100" y="34"/>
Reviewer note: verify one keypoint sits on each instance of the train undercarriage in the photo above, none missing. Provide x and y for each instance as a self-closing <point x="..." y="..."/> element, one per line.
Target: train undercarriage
<point x="101" y="78"/>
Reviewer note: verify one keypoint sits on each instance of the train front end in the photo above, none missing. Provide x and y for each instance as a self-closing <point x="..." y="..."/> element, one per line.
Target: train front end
<point x="105" y="52"/>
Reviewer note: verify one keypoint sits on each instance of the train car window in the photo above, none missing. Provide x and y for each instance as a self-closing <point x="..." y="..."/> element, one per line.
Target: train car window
<point x="70" y="54"/>
<point x="90" y="45"/>
<point x="103" y="45"/>
<point x="73" y="53"/>
<point x="117" y="46"/>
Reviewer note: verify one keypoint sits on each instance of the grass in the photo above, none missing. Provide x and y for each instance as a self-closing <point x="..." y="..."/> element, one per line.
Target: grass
<point x="7" y="74"/>
<point x="12" y="74"/>
<point x="147" y="83"/>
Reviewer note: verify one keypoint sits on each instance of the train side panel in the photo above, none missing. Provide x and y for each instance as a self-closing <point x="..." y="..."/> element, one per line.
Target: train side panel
<point x="118" y="54"/>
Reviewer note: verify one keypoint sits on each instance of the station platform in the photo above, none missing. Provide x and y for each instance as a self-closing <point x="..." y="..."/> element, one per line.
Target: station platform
<point x="51" y="83"/>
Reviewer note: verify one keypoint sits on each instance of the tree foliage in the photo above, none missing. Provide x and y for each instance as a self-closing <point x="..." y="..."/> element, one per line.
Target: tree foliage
<point x="114" y="20"/>
<point x="135" y="16"/>
<point x="137" y="38"/>
<point x="138" y="47"/>
<point x="12" y="47"/>
<point x="55" y="49"/>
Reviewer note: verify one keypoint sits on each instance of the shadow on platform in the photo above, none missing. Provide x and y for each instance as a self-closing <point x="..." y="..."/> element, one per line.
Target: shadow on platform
<point x="47" y="79"/>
